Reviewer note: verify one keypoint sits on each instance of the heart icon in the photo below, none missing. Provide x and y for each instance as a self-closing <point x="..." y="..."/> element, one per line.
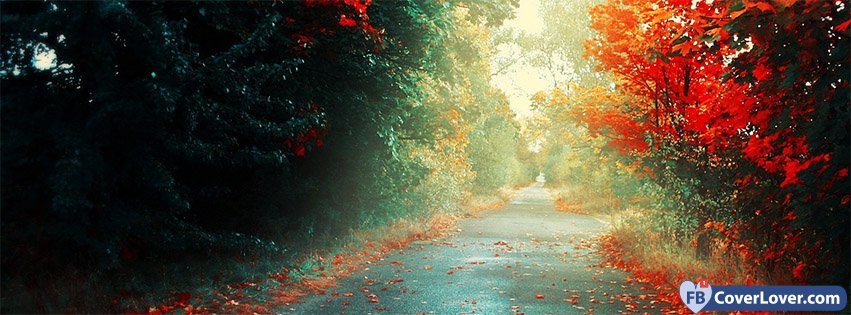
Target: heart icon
<point x="695" y="297"/>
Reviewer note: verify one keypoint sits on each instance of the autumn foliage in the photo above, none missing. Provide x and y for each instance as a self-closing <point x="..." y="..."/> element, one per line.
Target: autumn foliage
<point x="740" y="110"/>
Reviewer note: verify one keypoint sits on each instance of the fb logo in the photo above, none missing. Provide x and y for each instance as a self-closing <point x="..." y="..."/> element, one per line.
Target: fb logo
<point x="695" y="296"/>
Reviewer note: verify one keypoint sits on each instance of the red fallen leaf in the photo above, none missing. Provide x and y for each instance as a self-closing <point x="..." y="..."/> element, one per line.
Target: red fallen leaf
<point x="335" y="294"/>
<point x="539" y="296"/>
<point x="397" y="263"/>
<point x="347" y="303"/>
<point x="473" y="302"/>
<point x="476" y="262"/>
<point x="504" y="243"/>
<point x="450" y="272"/>
<point x="338" y="259"/>
<point x="371" y="296"/>
<point x="381" y="308"/>
<point x="373" y="300"/>
<point x="395" y="281"/>
<point x="183" y="299"/>
<point x="280" y="277"/>
<point x="427" y="267"/>
<point x="348" y="294"/>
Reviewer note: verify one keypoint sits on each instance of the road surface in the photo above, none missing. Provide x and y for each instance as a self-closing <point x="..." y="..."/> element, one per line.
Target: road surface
<point x="524" y="258"/>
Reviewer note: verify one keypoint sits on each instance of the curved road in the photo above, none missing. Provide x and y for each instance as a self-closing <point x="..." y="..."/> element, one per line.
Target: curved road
<point x="524" y="258"/>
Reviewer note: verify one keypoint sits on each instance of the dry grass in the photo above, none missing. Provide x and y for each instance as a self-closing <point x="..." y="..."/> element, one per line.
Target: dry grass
<point x="318" y="270"/>
<point x="581" y="200"/>
<point x="478" y="203"/>
<point x="563" y="205"/>
<point x="662" y="260"/>
<point x="370" y="245"/>
<point x="679" y="259"/>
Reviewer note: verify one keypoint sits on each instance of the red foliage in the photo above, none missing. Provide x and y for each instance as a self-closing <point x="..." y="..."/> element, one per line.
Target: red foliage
<point x="759" y="87"/>
<point x="346" y="22"/>
<point x="301" y="141"/>
<point x="681" y="81"/>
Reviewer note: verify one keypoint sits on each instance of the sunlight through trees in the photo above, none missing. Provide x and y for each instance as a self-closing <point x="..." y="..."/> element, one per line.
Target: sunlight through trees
<point x="165" y="156"/>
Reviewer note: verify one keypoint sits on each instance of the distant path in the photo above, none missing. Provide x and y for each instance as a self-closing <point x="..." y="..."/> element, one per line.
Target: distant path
<point x="522" y="258"/>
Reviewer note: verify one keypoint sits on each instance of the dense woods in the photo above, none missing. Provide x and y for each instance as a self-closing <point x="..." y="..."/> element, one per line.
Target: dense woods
<point x="722" y="138"/>
<point x="151" y="149"/>
<point x="148" y="145"/>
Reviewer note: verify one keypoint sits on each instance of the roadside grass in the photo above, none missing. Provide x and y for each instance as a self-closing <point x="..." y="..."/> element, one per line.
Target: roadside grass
<point x="678" y="257"/>
<point x="583" y="200"/>
<point x="477" y="203"/>
<point x="366" y="246"/>
<point x="315" y="268"/>
<point x="642" y="241"/>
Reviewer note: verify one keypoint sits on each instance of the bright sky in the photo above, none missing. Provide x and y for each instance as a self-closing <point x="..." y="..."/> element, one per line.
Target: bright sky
<point x="521" y="81"/>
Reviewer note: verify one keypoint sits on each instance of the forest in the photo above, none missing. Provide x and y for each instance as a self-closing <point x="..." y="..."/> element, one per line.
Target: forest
<point x="721" y="145"/>
<point x="226" y="157"/>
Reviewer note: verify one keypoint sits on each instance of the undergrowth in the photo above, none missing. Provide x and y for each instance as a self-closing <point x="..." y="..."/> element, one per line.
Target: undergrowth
<point x="658" y="246"/>
<point x="311" y="267"/>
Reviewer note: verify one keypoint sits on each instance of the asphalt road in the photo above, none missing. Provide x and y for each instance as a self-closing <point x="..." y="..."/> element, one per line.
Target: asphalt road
<point x="522" y="258"/>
